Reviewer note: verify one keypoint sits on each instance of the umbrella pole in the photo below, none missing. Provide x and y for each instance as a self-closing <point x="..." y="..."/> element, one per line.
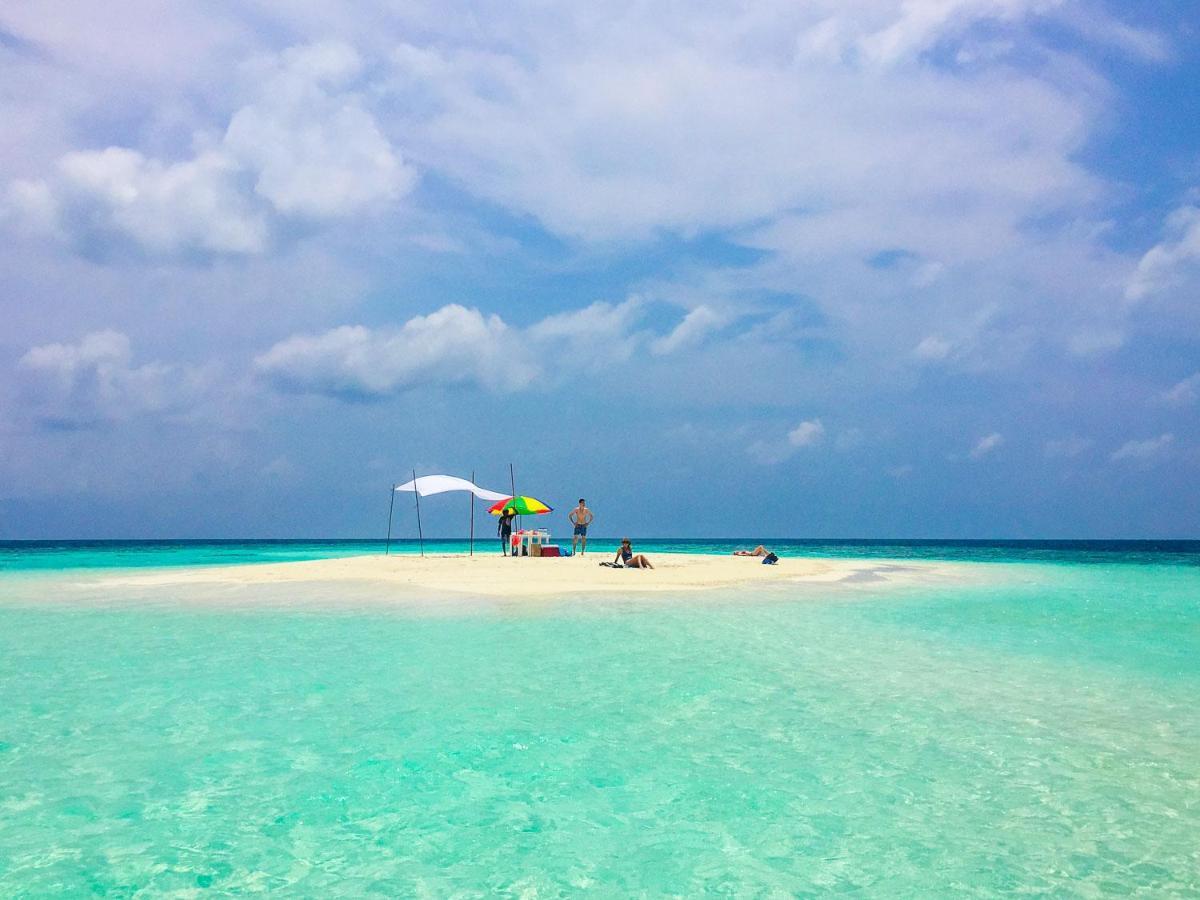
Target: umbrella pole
<point x="391" y="503"/>
<point x="471" y="552"/>
<point x="417" y="496"/>
<point x="512" y="484"/>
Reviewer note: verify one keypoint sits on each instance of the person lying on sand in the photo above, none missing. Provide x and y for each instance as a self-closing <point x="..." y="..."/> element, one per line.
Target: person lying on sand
<point x="760" y="550"/>
<point x="632" y="560"/>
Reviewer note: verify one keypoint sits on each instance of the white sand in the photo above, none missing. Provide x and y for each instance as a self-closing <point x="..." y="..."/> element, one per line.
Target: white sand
<point x="497" y="576"/>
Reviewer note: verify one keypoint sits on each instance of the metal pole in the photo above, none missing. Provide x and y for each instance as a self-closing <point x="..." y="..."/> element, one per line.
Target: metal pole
<point x="391" y="502"/>
<point x="417" y="495"/>
<point x="472" y="544"/>
<point x="512" y="484"/>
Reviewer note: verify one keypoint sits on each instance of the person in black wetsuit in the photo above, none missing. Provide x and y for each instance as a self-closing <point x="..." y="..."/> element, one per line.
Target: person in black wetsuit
<point x="504" y="529"/>
<point x="631" y="560"/>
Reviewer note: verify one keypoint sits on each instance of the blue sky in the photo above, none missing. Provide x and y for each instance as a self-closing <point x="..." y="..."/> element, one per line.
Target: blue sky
<point x="909" y="269"/>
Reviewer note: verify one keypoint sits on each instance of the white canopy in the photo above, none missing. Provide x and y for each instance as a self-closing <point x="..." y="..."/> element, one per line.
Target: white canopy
<point x="439" y="484"/>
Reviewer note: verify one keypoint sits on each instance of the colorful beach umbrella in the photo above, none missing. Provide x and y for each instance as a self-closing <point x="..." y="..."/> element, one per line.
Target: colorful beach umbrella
<point x="524" y="506"/>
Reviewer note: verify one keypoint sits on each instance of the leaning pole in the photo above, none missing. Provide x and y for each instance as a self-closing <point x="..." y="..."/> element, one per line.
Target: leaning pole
<point x="391" y="503"/>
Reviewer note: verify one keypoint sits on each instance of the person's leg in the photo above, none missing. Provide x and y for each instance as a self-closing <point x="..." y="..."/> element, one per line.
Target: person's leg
<point x="583" y="538"/>
<point x="643" y="563"/>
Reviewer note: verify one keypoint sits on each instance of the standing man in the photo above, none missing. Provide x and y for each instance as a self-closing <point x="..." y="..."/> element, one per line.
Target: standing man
<point x="504" y="529"/>
<point x="581" y="517"/>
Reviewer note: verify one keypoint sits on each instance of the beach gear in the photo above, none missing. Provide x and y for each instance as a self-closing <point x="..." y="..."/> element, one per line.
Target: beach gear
<point x="522" y="506"/>
<point x="612" y="565"/>
<point x="770" y="559"/>
<point x="427" y="485"/>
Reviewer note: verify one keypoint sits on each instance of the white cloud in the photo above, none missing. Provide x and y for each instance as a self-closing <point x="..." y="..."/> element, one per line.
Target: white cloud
<point x="806" y="433"/>
<point x="1067" y="448"/>
<point x="928" y="274"/>
<point x="1139" y="43"/>
<point x="163" y="208"/>
<point x="921" y="23"/>
<point x="1183" y="393"/>
<point x="453" y="345"/>
<point x="1163" y="266"/>
<point x="932" y="348"/>
<point x="305" y="146"/>
<point x="281" y="468"/>
<point x="695" y="327"/>
<point x="731" y="120"/>
<point x="315" y="150"/>
<point x="883" y="34"/>
<point x="457" y="345"/>
<point x="1147" y="449"/>
<point x="986" y="445"/>
<point x="594" y="336"/>
<point x="438" y="243"/>
<point x="1094" y="341"/>
<point x="902" y="471"/>
<point x="823" y="133"/>
<point x="770" y="452"/>
<point x="94" y="382"/>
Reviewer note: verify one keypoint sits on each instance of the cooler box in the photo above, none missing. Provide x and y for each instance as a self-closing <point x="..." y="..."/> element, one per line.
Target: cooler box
<point x="550" y="550"/>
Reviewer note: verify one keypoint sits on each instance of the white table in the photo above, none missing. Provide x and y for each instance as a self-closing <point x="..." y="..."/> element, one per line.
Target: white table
<point x="523" y="541"/>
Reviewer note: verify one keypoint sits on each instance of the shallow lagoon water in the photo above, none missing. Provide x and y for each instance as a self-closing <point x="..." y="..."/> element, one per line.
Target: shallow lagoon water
<point x="1033" y="730"/>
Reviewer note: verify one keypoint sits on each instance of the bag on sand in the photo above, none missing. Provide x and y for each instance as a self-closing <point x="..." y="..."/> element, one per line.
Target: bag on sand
<point x="770" y="559"/>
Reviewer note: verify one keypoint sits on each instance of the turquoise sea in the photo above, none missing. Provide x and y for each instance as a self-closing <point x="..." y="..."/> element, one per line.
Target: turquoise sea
<point x="1031" y="729"/>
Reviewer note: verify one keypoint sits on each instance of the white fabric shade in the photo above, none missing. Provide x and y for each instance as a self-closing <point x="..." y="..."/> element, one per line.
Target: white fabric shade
<point x="440" y="484"/>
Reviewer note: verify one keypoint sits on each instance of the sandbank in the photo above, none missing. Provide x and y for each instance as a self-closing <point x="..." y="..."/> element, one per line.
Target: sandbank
<point x="497" y="576"/>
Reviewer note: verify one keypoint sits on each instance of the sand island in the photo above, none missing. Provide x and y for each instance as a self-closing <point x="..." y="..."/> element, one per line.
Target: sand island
<point x="497" y="576"/>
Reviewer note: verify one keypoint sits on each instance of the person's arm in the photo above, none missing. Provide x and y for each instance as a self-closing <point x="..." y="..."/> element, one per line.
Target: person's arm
<point x="571" y="516"/>
<point x="588" y="519"/>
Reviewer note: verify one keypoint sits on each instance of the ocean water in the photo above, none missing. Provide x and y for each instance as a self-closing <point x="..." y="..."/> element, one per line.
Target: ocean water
<point x="1034" y="729"/>
<point x="57" y="556"/>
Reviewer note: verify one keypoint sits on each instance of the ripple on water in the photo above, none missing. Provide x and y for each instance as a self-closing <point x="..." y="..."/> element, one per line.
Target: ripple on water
<point x="1039" y="735"/>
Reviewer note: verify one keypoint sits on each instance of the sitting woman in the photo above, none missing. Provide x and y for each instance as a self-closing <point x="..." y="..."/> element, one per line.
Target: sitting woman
<point x="760" y="550"/>
<point x="631" y="560"/>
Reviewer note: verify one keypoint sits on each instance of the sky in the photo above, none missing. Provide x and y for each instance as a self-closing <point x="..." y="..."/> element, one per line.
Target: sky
<point x="836" y="268"/>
